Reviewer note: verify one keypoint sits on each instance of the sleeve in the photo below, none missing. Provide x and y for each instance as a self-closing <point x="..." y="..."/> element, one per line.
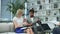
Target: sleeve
<point x="39" y="21"/>
<point x="14" y="18"/>
<point x="28" y="20"/>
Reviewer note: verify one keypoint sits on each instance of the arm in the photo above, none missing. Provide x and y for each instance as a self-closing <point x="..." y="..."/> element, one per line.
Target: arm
<point x="15" y="24"/>
<point x="39" y="21"/>
<point x="27" y="24"/>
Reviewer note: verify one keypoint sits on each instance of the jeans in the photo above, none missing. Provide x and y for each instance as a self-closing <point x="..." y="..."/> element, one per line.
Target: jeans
<point x="56" y="30"/>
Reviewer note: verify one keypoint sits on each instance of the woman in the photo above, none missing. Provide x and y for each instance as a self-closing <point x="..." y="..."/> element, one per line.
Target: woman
<point x="18" y="22"/>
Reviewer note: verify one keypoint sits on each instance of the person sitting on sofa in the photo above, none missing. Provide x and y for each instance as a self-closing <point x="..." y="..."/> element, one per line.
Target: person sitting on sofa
<point x="18" y="23"/>
<point x="56" y="30"/>
<point x="34" y="21"/>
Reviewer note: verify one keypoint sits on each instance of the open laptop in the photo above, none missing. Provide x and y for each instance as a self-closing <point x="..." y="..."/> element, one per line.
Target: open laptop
<point x="45" y="27"/>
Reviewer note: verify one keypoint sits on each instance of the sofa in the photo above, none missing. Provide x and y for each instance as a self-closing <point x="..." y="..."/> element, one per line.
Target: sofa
<point x="7" y="28"/>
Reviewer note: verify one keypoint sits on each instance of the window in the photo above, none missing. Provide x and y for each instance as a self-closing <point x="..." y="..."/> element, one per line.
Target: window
<point x="43" y="1"/>
<point x="35" y="11"/>
<point x="55" y="5"/>
<point x="5" y="15"/>
<point x="49" y="12"/>
<point x="46" y="19"/>
<point x="54" y="13"/>
<point x="38" y="2"/>
<point x="58" y="18"/>
<point x="50" y="1"/>
<point x="32" y="4"/>
<point x="58" y="0"/>
<point x="59" y="11"/>
<point x="40" y="7"/>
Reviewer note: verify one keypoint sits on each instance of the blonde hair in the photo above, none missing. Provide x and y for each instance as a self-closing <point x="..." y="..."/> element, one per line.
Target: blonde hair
<point x="19" y="11"/>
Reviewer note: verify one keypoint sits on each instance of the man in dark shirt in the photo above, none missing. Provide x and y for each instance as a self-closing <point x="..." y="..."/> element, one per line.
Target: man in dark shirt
<point x="34" y="21"/>
<point x="56" y="30"/>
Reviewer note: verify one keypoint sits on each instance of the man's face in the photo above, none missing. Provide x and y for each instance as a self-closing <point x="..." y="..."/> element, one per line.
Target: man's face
<point x="31" y="14"/>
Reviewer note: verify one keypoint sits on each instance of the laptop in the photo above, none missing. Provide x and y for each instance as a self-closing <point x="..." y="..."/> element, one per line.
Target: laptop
<point x="45" y="27"/>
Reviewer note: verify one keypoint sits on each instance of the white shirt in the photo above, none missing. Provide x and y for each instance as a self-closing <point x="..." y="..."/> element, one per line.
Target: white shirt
<point x="31" y="19"/>
<point x="19" y="20"/>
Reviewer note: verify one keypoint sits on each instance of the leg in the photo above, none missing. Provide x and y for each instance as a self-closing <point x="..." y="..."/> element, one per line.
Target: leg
<point x="29" y="31"/>
<point x="56" y="30"/>
<point x="35" y="29"/>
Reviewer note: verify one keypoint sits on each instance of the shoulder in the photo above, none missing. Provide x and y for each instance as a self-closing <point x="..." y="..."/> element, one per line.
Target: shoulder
<point x="37" y="18"/>
<point x="14" y="18"/>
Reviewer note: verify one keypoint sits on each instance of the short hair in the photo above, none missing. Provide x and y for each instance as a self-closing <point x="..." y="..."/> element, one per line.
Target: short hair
<point x="19" y="11"/>
<point x="31" y="10"/>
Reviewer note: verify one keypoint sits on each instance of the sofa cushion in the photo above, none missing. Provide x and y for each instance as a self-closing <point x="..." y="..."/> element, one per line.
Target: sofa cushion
<point x="4" y="27"/>
<point x="11" y="27"/>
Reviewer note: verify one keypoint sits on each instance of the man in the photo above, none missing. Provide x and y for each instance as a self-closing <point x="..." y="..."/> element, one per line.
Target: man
<point x="56" y="30"/>
<point x="34" y="21"/>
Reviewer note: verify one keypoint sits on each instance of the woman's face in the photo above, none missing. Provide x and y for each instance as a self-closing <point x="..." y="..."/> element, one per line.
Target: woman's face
<point x="20" y="14"/>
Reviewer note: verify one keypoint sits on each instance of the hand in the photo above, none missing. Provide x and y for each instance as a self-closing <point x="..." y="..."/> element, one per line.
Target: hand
<point x="25" y="23"/>
<point x="38" y="21"/>
<point x="29" y="24"/>
<point x="58" y="23"/>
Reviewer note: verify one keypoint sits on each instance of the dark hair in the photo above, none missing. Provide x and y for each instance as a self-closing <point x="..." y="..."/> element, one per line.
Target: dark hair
<point x="31" y="10"/>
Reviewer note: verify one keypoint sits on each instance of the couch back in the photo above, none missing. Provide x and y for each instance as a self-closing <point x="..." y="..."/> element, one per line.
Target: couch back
<point x="6" y="27"/>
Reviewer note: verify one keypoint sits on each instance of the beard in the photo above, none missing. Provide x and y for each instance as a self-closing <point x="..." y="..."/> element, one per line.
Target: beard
<point x="32" y="16"/>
